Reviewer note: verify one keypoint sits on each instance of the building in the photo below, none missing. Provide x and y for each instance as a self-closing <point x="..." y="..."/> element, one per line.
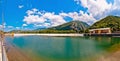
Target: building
<point x="100" y="31"/>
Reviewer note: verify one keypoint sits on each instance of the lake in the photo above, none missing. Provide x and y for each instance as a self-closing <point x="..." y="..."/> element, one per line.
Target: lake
<point x="46" y="48"/>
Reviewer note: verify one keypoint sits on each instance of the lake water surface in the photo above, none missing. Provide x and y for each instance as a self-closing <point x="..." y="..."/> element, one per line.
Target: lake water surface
<point x="44" y="48"/>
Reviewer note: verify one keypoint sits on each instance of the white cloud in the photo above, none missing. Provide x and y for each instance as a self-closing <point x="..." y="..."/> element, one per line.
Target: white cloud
<point x="100" y="8"/>
<point x="32" y="12"/>
<point x="24" y="25"/>
<point x="96" y="9"/>
<point x="1" y="26"/>
<point x="54" y="19"/>
<point x="47" y="24"/>
<point x="18" y="28"/>
<point x="50" y="19"/>
<point x="6" y="27"/>
<point x="115" y="10"/>
<point x="81" y="16"/>
<point x="63" y="14"/>
<point x="116" y="4"/>
<point x="20" y="6"/>
<point x="34" y="19"/>
<point x="43" y="18"/>
<point x="43" y="25"/>
<point x="10" y="27"/>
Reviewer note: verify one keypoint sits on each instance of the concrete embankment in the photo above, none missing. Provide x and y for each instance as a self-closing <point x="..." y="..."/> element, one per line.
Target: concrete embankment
<point x="0" y="51"/>
<point x="3" y="55"/>
<point x="112" y="34"/>
<point x="49" y="34"/>
<point x="86" y="34"/>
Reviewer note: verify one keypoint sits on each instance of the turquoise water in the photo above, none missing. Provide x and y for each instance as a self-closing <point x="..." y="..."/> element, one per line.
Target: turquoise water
<point x="43" y="48"/>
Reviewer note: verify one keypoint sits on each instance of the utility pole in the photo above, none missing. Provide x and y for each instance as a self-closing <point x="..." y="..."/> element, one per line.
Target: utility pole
<point x="3" y="52"/>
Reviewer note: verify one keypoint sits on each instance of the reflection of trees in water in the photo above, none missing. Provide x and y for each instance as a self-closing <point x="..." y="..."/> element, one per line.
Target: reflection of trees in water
<point x="72" y="48"/>
<point x="105" y="42"/>
<point x="115" y="45"/>
<point x="115" y="40"/>
<point x="101" y="43"/>
<point x="76" y="47"/>
<point x="79" y="48"/>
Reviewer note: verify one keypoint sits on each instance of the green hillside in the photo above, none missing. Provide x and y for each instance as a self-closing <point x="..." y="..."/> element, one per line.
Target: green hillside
<point x="70" y="27"/>
<point x="112" y="22"/>
<point x="74" y="25"/>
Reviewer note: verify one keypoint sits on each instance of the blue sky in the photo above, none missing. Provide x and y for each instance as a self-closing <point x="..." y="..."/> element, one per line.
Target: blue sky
<point x="32" y="14"/>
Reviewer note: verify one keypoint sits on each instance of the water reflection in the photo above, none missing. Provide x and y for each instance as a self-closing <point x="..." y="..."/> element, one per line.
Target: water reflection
<point x="64" y="48"/>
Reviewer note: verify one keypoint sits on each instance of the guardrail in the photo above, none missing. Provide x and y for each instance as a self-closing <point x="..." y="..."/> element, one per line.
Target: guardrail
<point x="4" y="55"/>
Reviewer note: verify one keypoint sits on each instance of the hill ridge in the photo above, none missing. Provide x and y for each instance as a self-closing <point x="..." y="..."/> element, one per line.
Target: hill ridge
<point x="112" y="22"/>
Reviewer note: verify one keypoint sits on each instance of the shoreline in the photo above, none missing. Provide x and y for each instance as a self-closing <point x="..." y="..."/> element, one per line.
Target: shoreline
<point x="14" y="54"/>
<point x="49" y="34"/>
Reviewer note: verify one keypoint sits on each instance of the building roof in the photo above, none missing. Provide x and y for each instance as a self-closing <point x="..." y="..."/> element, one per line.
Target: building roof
<point x="99" y="29"/>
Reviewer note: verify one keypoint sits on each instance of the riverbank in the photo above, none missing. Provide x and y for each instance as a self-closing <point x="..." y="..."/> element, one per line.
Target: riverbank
<point x="49" y="34"/>
<point x="15" y="54"/>
<point x="110" y="57"/>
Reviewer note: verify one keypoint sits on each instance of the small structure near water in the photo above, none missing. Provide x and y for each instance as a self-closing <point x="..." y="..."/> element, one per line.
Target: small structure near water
<point x="100" y="31"/>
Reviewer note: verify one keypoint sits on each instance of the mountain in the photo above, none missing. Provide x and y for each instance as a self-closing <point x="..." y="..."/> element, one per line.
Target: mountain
<point x="70" y="27"/>
<point x="112" y="22"/>
<point x="74" y="25"/>
<point x="40" y="29"/>
<point x="16" y="31"/>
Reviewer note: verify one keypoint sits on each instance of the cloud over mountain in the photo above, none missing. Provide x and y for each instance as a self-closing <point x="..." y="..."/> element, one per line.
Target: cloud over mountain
<point x="40" y="18"/>
<point x="100" y="8"/>
<point x="95" y="10"/>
